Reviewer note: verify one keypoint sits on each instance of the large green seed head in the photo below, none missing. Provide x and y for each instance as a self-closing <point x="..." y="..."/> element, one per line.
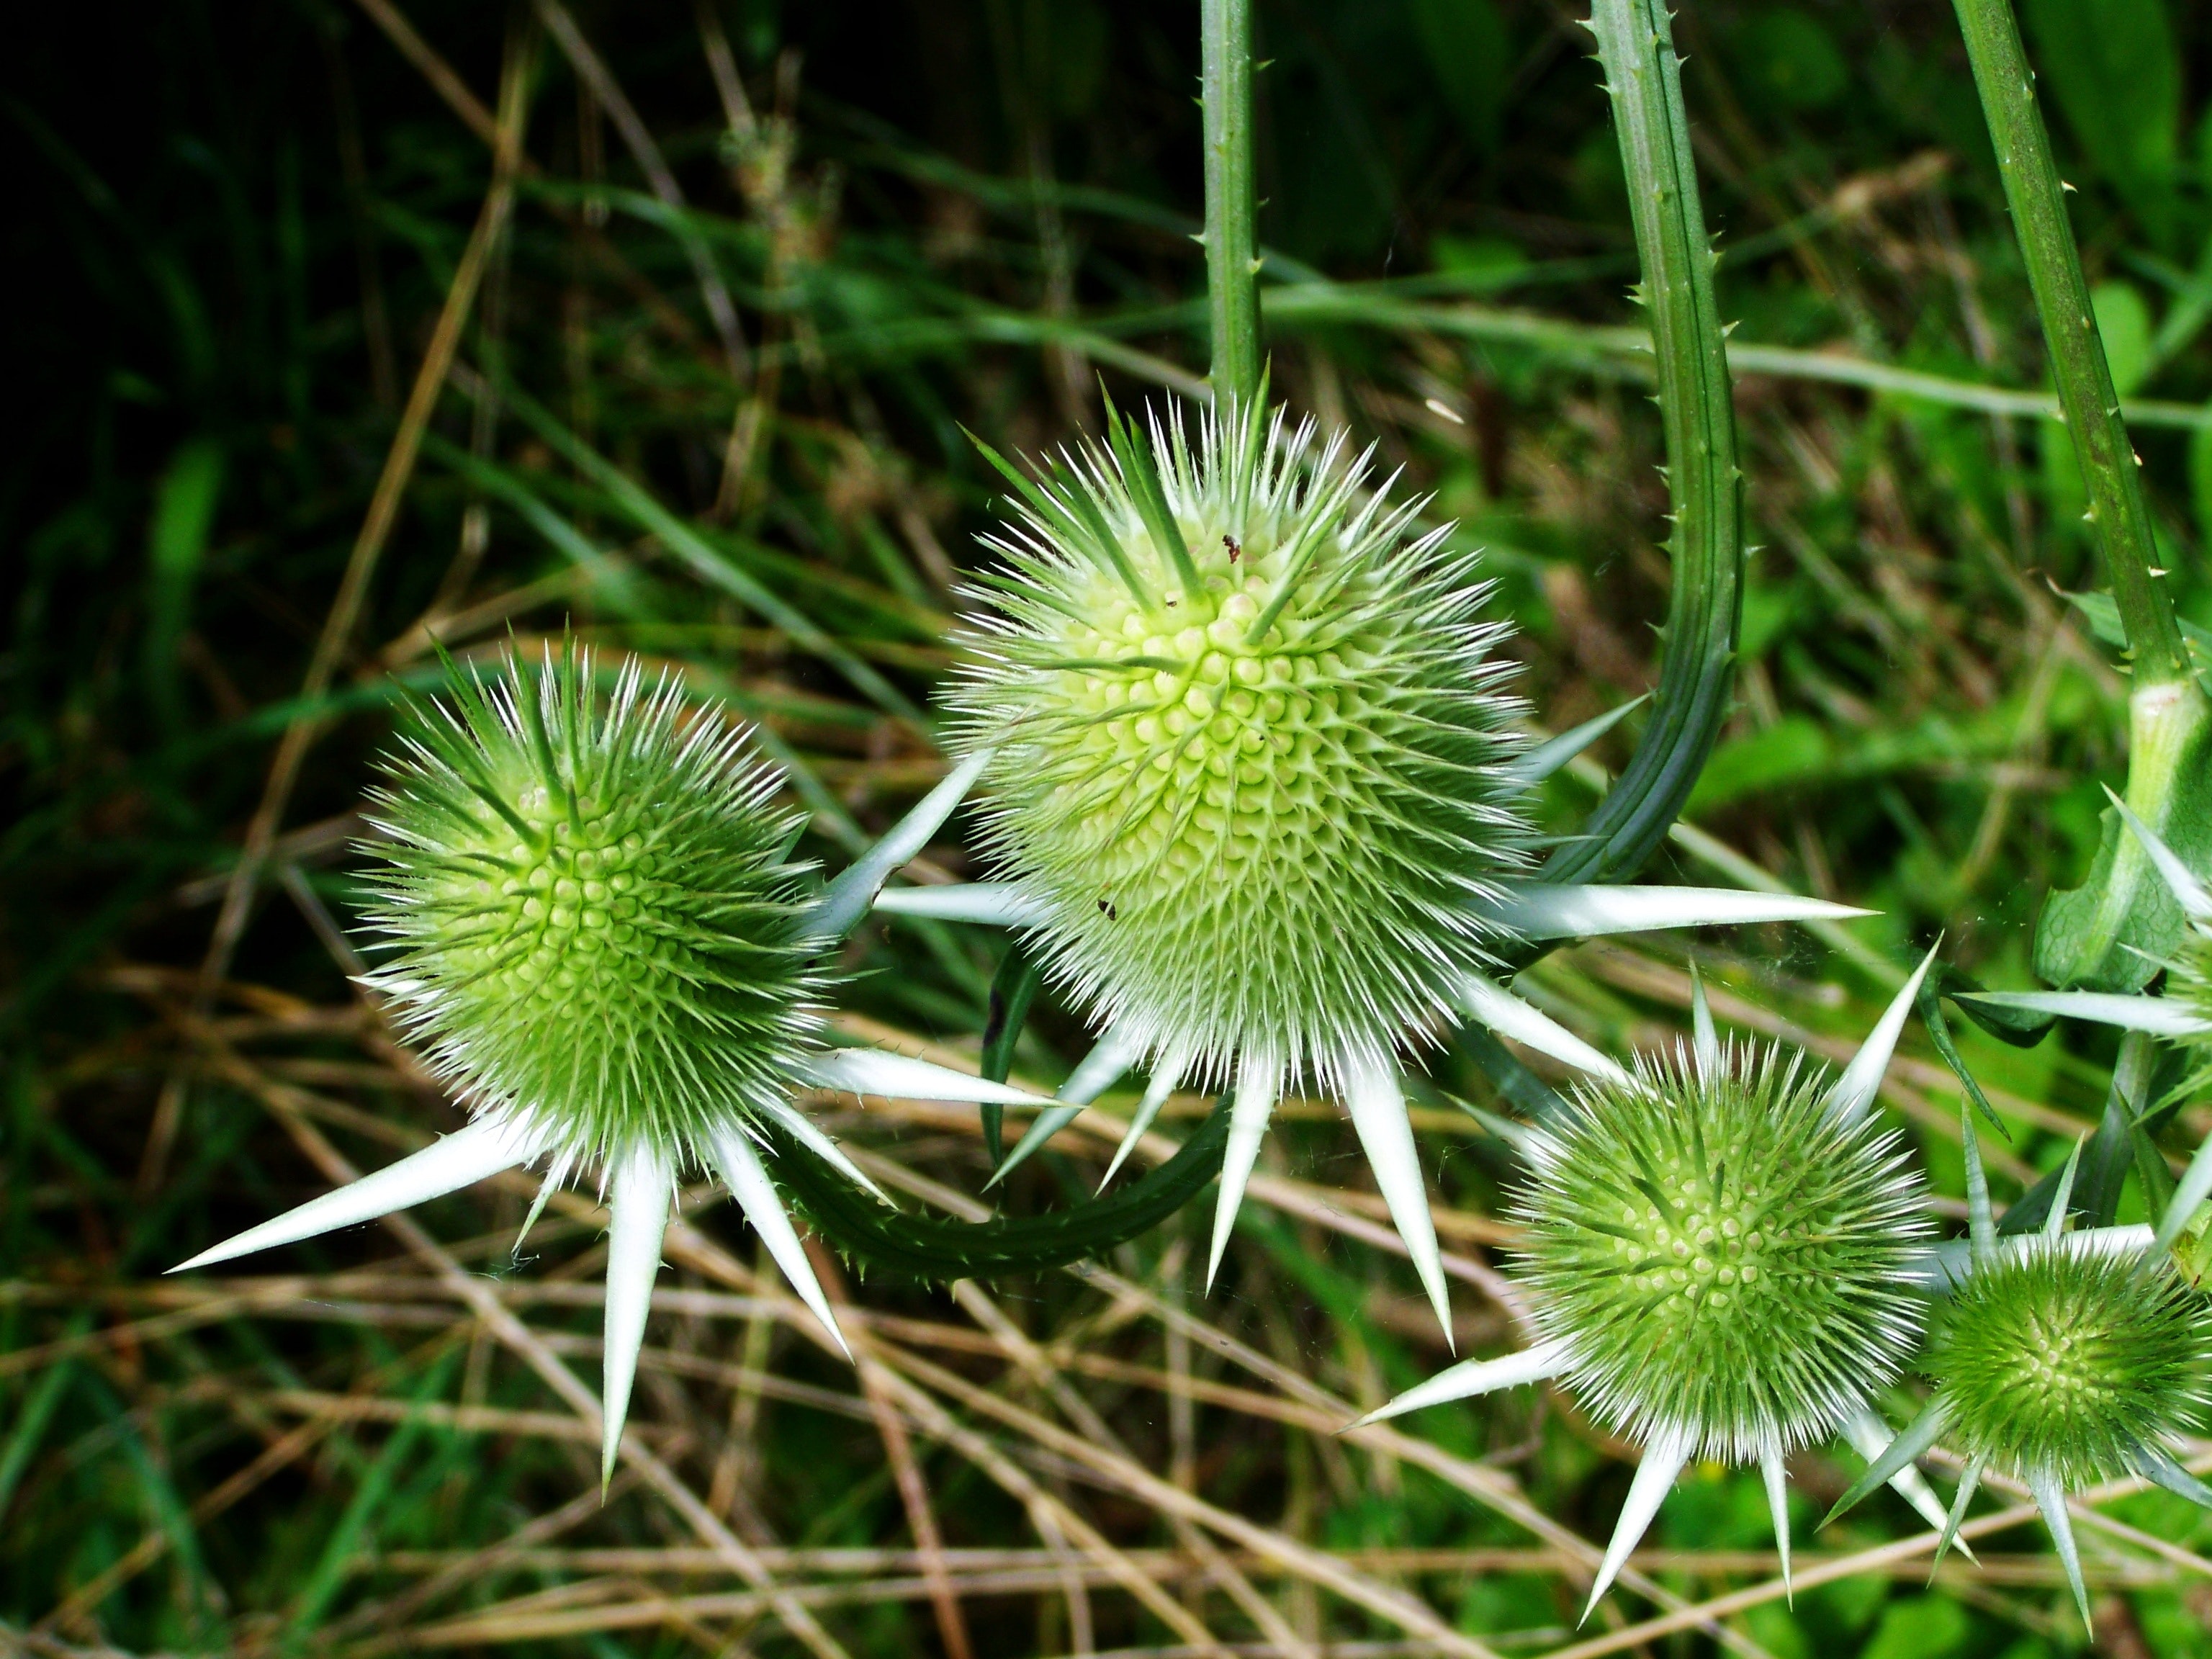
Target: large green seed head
<point x="1723" y="1257"/>
<point x="1252" y="745"/>
<point x="594" y="920"/>
<point x="2053" y="1362"/>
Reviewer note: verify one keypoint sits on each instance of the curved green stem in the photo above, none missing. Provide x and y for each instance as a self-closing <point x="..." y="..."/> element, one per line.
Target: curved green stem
<point x="1636" y="46"/>
<point x="1232" y="262"/>
<point x="2110" y="468"/>
<point x="911" y="1247"/>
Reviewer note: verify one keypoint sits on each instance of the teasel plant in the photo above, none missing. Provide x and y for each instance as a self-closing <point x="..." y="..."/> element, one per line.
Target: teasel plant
<point x="1722" y="1255"/>
<point x="593" y="930"/>
<point x="2061" y="1358"/>
<point x="1254" y="780"/>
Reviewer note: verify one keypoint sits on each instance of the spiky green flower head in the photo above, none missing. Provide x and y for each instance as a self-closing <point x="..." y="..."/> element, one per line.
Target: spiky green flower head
<point x="2052" y="1362"/>
<point x="1720" y="1255"/>
<point x="595" y="916"/>
<point x="1253" y="746"/>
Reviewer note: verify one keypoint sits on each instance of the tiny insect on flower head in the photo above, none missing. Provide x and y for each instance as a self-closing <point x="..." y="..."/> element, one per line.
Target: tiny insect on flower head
<point x="1720" y="1256"/>
<point x="599" y="937"/>
<point x="594" y="917"/>
<point x="1253" y="743"/>
<point x="2054" y="1361"/>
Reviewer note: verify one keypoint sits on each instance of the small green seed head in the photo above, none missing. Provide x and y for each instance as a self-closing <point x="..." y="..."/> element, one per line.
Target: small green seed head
<point x="594" y="920"/>
<point x="1721" y="1257"/>
<point x="2054" y="1362"/>
<point x="1257" y="779"/>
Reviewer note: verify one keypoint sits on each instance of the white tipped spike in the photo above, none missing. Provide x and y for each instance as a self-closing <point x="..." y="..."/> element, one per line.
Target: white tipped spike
<point x="2054" y="1223"/>
<point x="556" y="1176"/>
<point x="1509" y="1017"/>
<point x="1706" y="1043"/>
<point x="1981" y="1220"/>
<point x="2195" y="1188"/>
<point x="1099" y="1070"/>
<point x="748" y="1181"/>
<point x="1165" y="1077"/>
<point x="460" y="1159"/>
<point x="2051" y="1499"/>
<point x="1542" y="910"/>
<point x="2163" y="1017"/>
<point x="1654" y="1476"/>
<point x="1862" y="1080"/>
<point x="1969" y="1478"/>
<point x="994" y="903"/>
<point x="1378" y="1106"/>
<point x="840" y="909"/>
<point x="1259" y="1079"/>
<point x="874" y="1072"/>
<point x="643" y="1184"/>
<point x="1471" y="1377"/>
<point x="1549" y="755"/>
<point x="1869" y="1438"/>
<point x="1775" y="1473"/>
<point x="802" y="1129"/>
<point x="2189" y="892"/>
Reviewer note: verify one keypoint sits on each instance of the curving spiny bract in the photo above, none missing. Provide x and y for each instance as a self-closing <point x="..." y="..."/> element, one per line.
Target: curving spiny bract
<point x="1720" y="1257"/>
<point x="596" y="922"/>
<point x="1253" y="761"/>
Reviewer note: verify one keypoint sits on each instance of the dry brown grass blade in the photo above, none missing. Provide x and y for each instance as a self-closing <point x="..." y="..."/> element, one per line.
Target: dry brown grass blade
<point x="906" y="1473"/>
<point x="526" y="1345"/>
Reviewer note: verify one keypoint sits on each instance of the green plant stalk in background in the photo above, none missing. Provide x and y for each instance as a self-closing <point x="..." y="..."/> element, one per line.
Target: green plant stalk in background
<point x="2081" y="935"/>
<point x="1636" y="46"/>
<point x="1232" y="257"/>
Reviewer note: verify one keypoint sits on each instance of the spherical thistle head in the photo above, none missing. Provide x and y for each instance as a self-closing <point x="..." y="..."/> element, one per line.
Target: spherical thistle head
<point x="594" y="919"/>
<point x="1253" y="744"/>
<point x="2053" y="1362"/>
<point x="1721" y="1255"/>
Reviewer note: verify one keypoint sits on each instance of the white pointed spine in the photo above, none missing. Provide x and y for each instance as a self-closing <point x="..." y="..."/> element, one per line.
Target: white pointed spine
<point x="900" y="1077"/>
<point x="1377" y="1107"/>
<point x="990" y="903"/>
<point x="1097" y="1072"/>
<point x="749" y="1183"/>
<point x="1259" y="1080"/>
<point x="1775" y="1472"/>
<point x="1165" y="1077"/>
<point x="2051" y="1499"/>
<point x="1662" y="1461"/>
<point x="804" y="1130"/>
<point x="1869" y="1438"/>
<point x="643" y="1184"/>
<point x="1509" y="1017"/>
<point x="485" y="1148"/>
<point x="1539" y="910"/>
<point x="848" y="897"/>
<point x="1856" y="1089"/>
<point x="2166" y="1017"/>
<point x="1472" y="1377"/>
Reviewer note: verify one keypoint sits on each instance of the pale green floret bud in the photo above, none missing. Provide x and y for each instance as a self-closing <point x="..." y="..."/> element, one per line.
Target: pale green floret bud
<point x="1722" y="1257"/>
<point x="2052" y="1362"/>
<point x="595" y="923"/>
<point x="1257" y="780"/>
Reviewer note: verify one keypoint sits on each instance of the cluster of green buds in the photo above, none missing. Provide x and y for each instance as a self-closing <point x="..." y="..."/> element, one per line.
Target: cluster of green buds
<point x="1257" y="789"/>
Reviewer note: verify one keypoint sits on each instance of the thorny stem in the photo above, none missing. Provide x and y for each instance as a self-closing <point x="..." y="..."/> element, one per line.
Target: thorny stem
<point x="1636" y="46"/>
<point x="2110" y="468"/>
<point x="1232" y="264"/>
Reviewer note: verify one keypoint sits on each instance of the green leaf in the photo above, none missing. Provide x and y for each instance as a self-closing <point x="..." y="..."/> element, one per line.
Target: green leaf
<point x="2114" y="71"/>
<point x="2016" y="1026"/>
<point x="1930" y="1004"/>
<point x="1466" y="45"/>
<point x="2150" y="929"/>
